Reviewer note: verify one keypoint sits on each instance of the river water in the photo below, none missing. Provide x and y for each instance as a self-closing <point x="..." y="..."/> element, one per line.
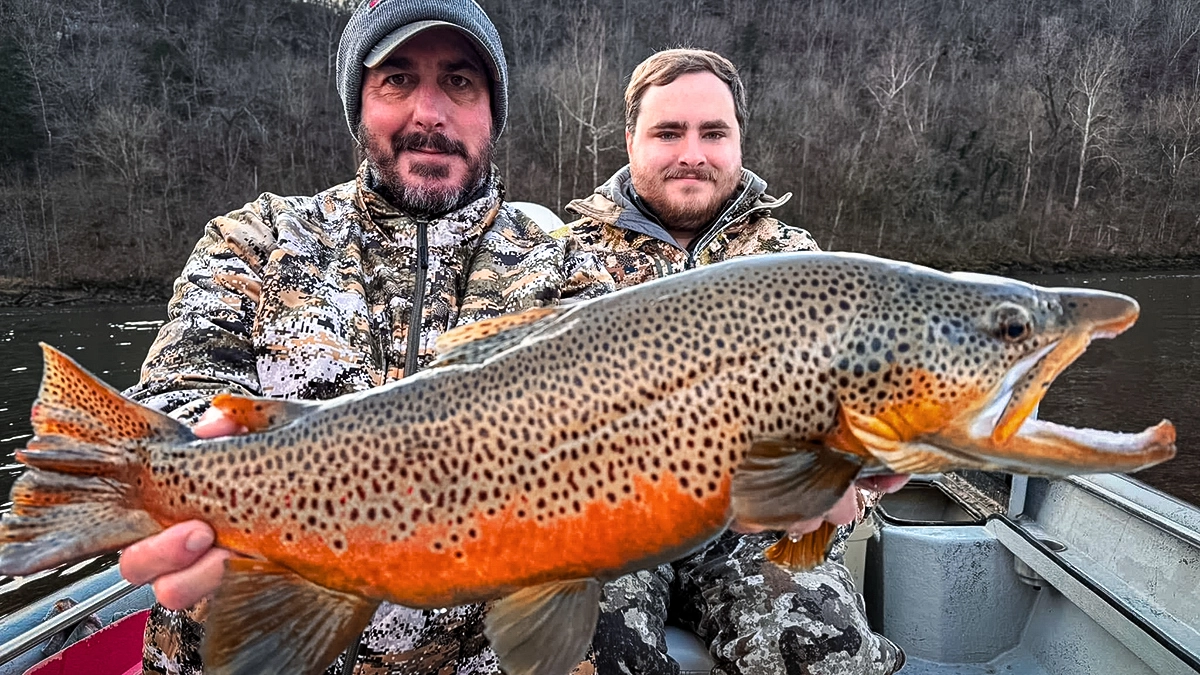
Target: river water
<point x="1125" y="384"/>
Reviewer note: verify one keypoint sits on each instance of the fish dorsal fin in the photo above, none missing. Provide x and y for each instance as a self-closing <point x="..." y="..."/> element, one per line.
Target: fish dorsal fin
<point x="477" y="341"/>
<point x="546" y="629"/>
<point x="266" y="619"/>
<point x="261" y="414"/>
<point x="781" y="482"/>
<point x="805" y="553"/>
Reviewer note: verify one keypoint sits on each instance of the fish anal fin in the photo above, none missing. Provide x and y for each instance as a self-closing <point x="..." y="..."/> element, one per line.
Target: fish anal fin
<point x="781" y="482"/>
<point x="545" y="629"/>
<point x="480" y="330"/>
<point x="475" y="342"/>
<point x="261" y="414"/>
<point x="804" y="553"/>
<point x="266" y="619"/>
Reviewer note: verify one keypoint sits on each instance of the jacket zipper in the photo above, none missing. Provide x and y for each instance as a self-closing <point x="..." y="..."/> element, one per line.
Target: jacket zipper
<point x="712" y="234"/>
<point x="412" y="351"/>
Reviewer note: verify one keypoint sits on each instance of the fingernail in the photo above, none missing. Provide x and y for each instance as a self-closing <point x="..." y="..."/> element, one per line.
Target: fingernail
<point x="198" y="541"/>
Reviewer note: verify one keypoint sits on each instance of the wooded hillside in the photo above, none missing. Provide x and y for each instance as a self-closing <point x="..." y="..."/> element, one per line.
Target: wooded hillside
<point x="951" y="132"/>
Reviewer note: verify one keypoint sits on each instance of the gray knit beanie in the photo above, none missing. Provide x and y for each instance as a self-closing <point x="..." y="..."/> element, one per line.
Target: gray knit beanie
<point x="389" y="23"/>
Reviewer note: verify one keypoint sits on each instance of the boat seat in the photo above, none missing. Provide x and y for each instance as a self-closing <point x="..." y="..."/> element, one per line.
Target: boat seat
<point x="688" y="651"/>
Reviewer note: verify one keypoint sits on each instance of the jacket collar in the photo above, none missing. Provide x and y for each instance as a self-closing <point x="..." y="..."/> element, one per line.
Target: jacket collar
<point x="616" y="203"/>
<point x="467" y="220"/>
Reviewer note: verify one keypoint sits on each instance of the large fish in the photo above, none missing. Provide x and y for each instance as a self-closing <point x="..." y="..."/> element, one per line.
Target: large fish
<point x="547" y="452"/>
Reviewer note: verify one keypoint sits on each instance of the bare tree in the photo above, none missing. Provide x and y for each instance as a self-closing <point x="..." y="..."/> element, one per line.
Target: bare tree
<point x="1174" y="121"/>
<point x="890" y="80"/>
<point x="1096" y="82"/>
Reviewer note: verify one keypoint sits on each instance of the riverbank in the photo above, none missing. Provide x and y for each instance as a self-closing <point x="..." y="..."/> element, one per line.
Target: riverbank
<point x="22" y="293"/>
<point x="1082" y="265"/>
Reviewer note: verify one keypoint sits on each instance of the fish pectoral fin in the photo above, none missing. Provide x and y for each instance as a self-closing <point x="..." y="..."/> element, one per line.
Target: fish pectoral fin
<point x="475" y="342"/>
<point x="781" y="482"/>
<point x="267" y="619"/>
<point x="261" y="414"/>
<point x="546" y="629"/>
<point x="922" y="458"/>
<point x="804" y="553"/>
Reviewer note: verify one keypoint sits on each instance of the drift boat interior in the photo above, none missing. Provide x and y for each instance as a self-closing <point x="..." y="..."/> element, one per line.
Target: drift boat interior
<point x="971" y="573"/>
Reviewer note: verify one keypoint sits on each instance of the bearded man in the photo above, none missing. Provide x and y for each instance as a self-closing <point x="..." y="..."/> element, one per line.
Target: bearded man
<point x="318" y="296"/>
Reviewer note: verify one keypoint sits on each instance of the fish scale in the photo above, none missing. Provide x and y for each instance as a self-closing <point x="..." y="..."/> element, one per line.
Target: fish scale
<point x="546" y="452"/>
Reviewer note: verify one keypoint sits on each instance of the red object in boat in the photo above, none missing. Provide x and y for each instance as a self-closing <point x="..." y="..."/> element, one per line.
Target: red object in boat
<point x="115" y="649"/>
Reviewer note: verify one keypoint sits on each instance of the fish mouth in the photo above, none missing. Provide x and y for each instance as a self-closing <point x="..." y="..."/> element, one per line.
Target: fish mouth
<point x="1002" y="432"/>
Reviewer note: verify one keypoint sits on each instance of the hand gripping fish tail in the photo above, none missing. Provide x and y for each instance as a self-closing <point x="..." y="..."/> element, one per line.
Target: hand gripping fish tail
<point x="545" y="453"/>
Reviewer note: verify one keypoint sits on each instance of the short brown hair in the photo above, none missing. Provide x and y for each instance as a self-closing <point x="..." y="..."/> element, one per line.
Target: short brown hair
<point x="663" y="68"/>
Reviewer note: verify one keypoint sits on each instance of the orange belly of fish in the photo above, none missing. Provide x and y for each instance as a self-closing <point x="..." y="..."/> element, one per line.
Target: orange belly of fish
<point x="659" y="522"/>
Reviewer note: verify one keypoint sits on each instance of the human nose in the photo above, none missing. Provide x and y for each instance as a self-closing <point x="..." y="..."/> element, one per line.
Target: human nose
<point x="692" y="152"/>
<point x="429" y="107"/>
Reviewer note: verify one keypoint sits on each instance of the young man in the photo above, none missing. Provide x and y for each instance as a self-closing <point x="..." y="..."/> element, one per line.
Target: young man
<point x="314" y="297"/>
<point x="685" y="200"/>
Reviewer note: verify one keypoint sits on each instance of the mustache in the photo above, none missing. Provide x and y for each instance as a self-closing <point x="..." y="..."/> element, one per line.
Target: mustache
<point x="438" y="142"/>
<point x="699" y="174"/>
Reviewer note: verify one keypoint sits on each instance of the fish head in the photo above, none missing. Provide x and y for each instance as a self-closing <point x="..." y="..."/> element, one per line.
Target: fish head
<point x="946" y="371"/>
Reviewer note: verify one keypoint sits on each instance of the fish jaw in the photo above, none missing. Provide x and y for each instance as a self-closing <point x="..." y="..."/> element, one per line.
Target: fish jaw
<point x="1000" y="431"/>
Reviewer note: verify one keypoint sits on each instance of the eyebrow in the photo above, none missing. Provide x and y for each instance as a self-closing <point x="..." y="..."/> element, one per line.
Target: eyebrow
<point x="403" y="63"/>
<point x="707" y="125"/>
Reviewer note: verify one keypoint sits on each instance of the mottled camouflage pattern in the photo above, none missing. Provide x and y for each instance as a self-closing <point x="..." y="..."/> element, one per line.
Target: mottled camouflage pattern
<point x="309" y="298"/>
<point x="757" y="618"/>
<point x="403" y="641"/>
<point x="630" y="635"/>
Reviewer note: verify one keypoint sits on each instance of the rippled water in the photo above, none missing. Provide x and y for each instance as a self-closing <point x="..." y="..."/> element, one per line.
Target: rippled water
<point x="1125" y="384"/>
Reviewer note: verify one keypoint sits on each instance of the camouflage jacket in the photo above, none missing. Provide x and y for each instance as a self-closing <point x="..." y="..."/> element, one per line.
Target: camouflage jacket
<point x="313" y="297"/>
<point x="636" y="248"/>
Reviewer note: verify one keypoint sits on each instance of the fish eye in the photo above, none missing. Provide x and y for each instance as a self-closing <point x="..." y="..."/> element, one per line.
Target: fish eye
<point x="1012" y="323"/>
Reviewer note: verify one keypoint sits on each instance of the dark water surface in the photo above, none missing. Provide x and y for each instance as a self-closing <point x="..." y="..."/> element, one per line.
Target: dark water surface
<point x="1148" y="373"/>
<point x="1126" y="384"/>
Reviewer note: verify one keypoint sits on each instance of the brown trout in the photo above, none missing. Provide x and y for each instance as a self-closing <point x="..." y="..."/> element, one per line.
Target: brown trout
<point x="546" y="452"/>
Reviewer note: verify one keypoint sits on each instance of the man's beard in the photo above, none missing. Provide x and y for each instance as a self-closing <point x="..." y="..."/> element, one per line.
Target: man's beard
<point x="423" y="200"/>
<point x="689" y="215"/>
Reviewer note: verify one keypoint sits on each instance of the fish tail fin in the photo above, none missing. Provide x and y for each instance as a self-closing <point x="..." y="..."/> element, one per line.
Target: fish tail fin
<point x="89" y="464"/>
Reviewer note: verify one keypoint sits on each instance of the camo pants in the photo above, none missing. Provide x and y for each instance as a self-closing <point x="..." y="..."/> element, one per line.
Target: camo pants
<point x="757" y="618"/>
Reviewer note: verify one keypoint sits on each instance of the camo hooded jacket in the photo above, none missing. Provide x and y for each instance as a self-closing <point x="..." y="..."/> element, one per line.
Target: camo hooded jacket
<point x="314" y="297"/>
<point x="616" y="226"/>
<point x="757" y="618"/>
